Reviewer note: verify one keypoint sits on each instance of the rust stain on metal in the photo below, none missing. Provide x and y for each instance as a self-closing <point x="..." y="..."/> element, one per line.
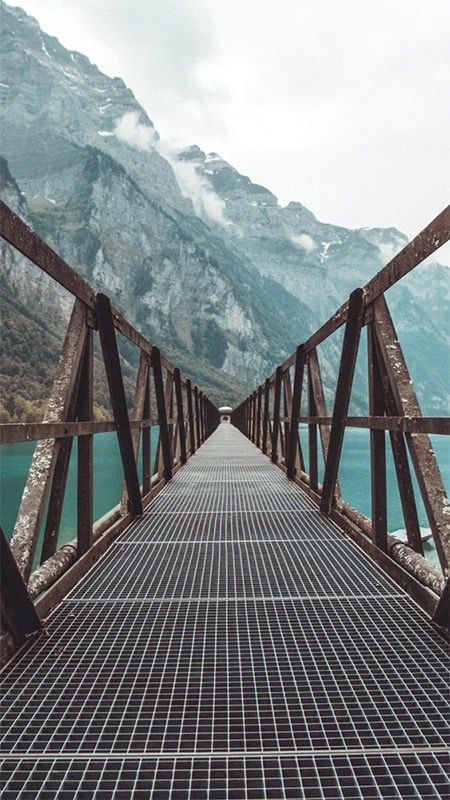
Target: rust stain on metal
<point x="38" y="483"/>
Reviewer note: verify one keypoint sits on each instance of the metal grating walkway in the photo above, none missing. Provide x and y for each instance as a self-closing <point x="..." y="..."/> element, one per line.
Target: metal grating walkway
<point x="232" y="644"/>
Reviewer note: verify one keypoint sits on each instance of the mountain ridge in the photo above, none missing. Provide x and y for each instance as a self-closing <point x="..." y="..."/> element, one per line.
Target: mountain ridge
<point x="202" y="260"/>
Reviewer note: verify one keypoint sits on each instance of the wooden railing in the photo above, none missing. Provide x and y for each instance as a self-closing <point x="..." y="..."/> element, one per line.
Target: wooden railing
<point x="272" y="414"/>
<point x="185" y="418"/>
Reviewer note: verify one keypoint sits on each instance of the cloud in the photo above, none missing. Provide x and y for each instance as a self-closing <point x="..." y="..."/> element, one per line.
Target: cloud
<point x="287" y="106"/>
<point x="134" y="133"/>
<point x="192" y="184"/>
<point x="196" y="187"/>
<point x="305" y="241"/>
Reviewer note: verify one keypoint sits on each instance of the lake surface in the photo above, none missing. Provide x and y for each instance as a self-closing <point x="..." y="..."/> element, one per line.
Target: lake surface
<point x="15" y="460"/>
<point x="354" y="478"/>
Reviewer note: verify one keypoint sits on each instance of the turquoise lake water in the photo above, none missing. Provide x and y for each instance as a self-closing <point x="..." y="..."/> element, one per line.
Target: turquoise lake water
<point x="354" y="478"/>
<point x="15" y="460"/>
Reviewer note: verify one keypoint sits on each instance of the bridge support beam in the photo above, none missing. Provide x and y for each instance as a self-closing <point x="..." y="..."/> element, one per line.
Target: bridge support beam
<point x="343" y="389"/>
<point x="119" y="405"/>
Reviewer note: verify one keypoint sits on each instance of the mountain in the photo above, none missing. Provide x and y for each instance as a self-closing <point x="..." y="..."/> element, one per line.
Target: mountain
<point x="204" y="262"/>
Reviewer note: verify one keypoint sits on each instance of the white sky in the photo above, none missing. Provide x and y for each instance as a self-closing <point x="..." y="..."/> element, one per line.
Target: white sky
<point x="342" y="105"/>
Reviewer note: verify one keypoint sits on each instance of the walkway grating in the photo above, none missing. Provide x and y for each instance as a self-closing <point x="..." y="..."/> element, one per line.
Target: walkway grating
<point x="232" y="644"/>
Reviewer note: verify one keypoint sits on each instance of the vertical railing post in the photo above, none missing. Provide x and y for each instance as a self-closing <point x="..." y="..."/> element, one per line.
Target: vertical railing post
<point x="190" y="417"/>
<point x="377" y="447"/>
<point x="283" y="431"/>
<point x="173" y="427"/>
<point x="292" y="444"/>
<point x="258" y="418"/>
<point x="254" y="417"/>
<point x="147" y="442"/>
<point x="85" y="481"/>
<point x="180" y="415"/>
<point x="197" y="416"/>
<point x="312" y="436"/>
<point x="276" y="415"/>
<point x="137" y="415"/>
<point x="204" y="417"/>
<point x="164" y="435"/>
<point x="343" y="389"/>
<point x="320" y="406"/>
<point x="118" y="401"/>
<point x="265" y="430"/>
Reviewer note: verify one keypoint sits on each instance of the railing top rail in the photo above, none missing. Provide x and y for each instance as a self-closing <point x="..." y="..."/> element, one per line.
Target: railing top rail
<point x="417" y="250"/>
<point x="15" y="231"/>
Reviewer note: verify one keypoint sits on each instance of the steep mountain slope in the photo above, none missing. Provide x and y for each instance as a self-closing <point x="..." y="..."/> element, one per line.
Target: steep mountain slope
<point x="207" y="264"/>
<point x="117" y="214"/>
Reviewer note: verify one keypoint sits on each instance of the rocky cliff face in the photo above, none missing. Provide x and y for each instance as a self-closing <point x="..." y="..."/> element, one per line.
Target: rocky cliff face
<point x="207" y="264"/>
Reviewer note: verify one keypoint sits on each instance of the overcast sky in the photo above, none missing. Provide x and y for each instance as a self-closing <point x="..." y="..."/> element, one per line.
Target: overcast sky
<point x="342" y="105"/>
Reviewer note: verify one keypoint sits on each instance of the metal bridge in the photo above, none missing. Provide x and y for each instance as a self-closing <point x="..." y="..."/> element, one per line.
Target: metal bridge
<point x="233" y="628"/>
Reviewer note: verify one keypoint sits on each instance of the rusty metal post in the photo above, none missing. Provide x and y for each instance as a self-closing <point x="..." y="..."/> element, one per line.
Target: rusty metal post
<point x="147" y="441"/>
<point x="377" y="447"/>
<point x="400" y="458"/>
<point x="180" y="415"/>
<point x="344" y="385"/>
<point x="16" y="607"/>
<point x="137" y="416"/>
<point x="292" y="444"/>
<point x="441" y="615"/>
<point x="422" y="455"/>
<point x="276" y="415"/>
<point x="258" y="418"/>
<point x="190" y="417"/>
<point x="203" y="417"/>
<point x="312" y="437"/>
<point x="42" y="469"/>
<point x="61" y="471"/>
<point x="197" y="417"/>
<point x="118" y="401"/>
<point x="265" y="430"/>
<point x="85" y="467"/>
<point x="161" y="399"/>
<point x="320" y="405"/>
<point x="253" y="417"/>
